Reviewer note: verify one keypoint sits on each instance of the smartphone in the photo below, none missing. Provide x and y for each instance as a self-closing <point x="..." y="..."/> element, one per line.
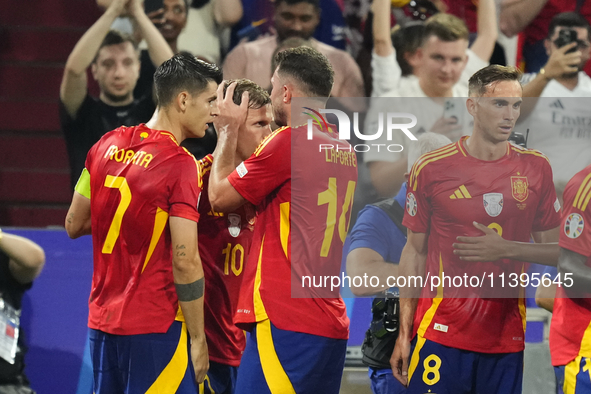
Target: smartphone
<point x="454" y="108"/>
<point x="565" y="37"/>
<point x="153" y="5"/>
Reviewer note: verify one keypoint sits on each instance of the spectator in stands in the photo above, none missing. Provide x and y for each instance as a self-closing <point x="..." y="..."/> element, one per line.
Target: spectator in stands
<point x="553" y="124"/>
<point x="441" y="67"/>
<point x="115" y="66"/>
<point x="21" y="261"/>
<point x="532" y="17"/>
<point x="293" y="18"/>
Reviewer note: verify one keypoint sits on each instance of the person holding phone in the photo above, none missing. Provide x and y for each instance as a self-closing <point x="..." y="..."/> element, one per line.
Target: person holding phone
<point x="559" y="86"/>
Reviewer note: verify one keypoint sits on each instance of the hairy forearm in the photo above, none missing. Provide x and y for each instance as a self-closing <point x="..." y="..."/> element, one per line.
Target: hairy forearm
<point x="546" y="254"/>
<point x="412" y="263"/>
<point x="535" y="87"/>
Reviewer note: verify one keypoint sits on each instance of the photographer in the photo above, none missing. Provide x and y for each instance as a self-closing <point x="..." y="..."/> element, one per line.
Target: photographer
<point x="21" y="261"/>
<point x="559" y="83"/>
<point x="374" y="248"/>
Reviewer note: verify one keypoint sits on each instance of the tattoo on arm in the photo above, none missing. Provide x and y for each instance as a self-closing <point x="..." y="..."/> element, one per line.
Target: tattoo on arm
<point x="180" y="249"/>
<point x="190" y="291"/>
<point x="70" y="217"/>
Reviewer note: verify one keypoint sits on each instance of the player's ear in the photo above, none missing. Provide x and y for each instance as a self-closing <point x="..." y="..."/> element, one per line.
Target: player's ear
<point x="471" y="105"/>
<point x="93" y="69"/>
<point x="287" y="94"/>
<point x="181" y="101"/>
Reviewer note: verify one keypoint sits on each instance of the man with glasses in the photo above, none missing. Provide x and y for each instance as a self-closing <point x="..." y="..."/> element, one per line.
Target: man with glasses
<point x="558" y="124"/>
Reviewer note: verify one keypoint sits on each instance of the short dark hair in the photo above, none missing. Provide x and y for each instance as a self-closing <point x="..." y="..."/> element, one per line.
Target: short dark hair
<point x="315" y="3"/>
<point x="115" y="37"/>
<point x="568" y="19"/>
<point x="257" y="96"/>
<point x="183" y="72"/>
<point x="308" y="68"/>
<point x="446" y="27"/>
<point x="407" y="39"/>
<point x="492" y="74"/>
<point x="291" y="42"/>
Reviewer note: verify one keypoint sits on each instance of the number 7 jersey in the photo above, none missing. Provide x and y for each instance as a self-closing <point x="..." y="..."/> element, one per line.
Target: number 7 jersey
<point x="139" y="177"/>
<point x="303" y="196"/>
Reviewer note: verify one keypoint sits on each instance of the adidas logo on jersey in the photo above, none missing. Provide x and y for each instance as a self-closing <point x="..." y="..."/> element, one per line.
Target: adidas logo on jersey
<point x="461" y="192"/>
<point x="557" y="104"/>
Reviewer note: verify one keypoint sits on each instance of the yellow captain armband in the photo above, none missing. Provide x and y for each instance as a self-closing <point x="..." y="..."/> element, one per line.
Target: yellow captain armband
<point x="83" y="184"/>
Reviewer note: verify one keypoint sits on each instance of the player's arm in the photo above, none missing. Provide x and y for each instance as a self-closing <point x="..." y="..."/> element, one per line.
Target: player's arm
<point x="412" y="264"/>
<point x="545" y="296"/>
<point x="382" y="40"/>
<point x="26" y="258"/>
<point x="517" y="14"/>
<point x="492" y="247"/>
<point x="572" y="264"/>
<point x="362" y="261"/>
<point x="222" y="195"/>
<point x="488" y="32"/>
<point x="190" y="285"/>
<point x="158" y="48"/>
<point x="78" y="221"/>
<point x="74" y="84"/>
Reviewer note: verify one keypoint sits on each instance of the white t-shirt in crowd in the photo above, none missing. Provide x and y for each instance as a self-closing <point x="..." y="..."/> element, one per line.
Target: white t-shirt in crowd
<point x="560" y="126"/>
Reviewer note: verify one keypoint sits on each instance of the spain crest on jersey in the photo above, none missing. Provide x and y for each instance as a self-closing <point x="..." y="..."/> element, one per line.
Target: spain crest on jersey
<point x="493" y="203"/>
<point x="574" y="225"/>
<point x="519" y="188"/>
<point x="234" y="224"/>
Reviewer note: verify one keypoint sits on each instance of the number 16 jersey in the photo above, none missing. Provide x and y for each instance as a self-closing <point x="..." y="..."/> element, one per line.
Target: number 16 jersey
<point x="303" y="196"/>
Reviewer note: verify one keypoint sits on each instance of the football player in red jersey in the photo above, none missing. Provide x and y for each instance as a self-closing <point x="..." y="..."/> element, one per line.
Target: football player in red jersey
<point x="146" y="302"/>
<point x="486" y="179"/>
<point x="570" y="335"/>
<point x="296" y="344"/>
<point x="224" y="244"/>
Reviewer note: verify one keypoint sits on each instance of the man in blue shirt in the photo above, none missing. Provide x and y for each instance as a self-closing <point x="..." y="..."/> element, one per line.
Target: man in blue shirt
<point x="373" y="248"/>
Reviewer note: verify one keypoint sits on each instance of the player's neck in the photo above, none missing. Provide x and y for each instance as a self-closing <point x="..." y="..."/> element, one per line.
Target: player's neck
<point x="483" y="149"/>
<point x="161" y="121"/>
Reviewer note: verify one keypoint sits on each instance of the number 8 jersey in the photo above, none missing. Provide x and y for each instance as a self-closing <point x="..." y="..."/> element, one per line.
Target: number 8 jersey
<point x="303" y="196"/>
<point x="139" y="177"/>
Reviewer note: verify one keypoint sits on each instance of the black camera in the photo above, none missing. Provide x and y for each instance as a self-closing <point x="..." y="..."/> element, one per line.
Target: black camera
<point x="565" y="37"/>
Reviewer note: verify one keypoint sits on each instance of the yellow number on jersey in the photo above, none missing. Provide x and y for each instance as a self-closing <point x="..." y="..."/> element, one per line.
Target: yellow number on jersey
<point x="434" y="370"/>
<point x="117" y="182"/>
<point x="329" y="196"/>
<point x="229" y="251"/>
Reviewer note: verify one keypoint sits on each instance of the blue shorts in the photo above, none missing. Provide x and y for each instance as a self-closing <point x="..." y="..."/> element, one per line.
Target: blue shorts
<point x="286" y="362"/>
<point x="576" y="376"/>
<point x="435" y="368"/>
<point x="138" y="364"/>
<point x="220" y="379"/>
<point x="384" y="382"/>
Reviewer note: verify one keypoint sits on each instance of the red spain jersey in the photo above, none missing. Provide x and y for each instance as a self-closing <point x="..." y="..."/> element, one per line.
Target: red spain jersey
<point x="138" y="178"/>
<point x="303" y="197"/>
<point x="224" y="244"/>
<point x="448" y="190"/>
<point x="570" y="331"/>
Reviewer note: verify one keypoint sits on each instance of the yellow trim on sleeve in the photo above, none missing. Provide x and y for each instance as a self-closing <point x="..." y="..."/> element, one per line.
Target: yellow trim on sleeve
<point x="268" y="139"/>
<point x="83" y="184"/>
<point x="581" y="195"/>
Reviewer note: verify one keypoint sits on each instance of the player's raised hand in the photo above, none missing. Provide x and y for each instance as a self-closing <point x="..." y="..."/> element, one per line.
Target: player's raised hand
<point x="488" y="247"/>
<point x="399" y="360"/>
<point x="119" y="6"/>
<point x="135" y="7"/>
<point x="200" y="359"/>
<point x="230" y="115"/>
